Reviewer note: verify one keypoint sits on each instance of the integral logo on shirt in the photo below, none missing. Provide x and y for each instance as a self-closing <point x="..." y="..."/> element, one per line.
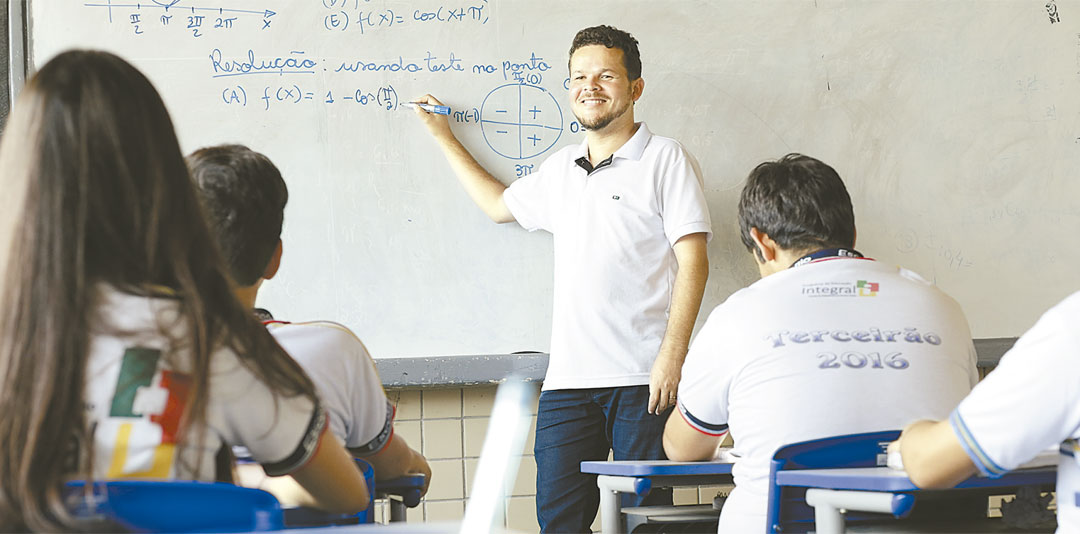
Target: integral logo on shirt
<point x="860" y="288"/>
<point x="867" y="289"/>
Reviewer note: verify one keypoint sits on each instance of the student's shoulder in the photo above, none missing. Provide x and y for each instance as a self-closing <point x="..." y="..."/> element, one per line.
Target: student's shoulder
<point x="915" y="282"/>
<point x="1069" y="306"/>
<point x="232" y="379"/>
<point x="1057" y="323"/>
<point x="314" y="333"/>
<point x="907" y="274"/>
<point x="740" y="306"/>
<point x="724" y="343"/>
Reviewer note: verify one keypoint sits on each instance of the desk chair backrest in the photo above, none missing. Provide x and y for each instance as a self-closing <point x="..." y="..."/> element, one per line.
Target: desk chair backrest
<point x="788" y="511"/>
<point x="175" y="506"/>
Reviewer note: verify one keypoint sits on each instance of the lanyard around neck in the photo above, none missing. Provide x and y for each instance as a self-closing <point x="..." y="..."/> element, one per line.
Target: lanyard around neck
<point x="827" y="253"/>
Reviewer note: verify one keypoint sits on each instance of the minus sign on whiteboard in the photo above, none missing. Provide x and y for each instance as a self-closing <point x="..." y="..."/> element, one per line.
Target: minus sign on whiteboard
<point x="501" y="131"/>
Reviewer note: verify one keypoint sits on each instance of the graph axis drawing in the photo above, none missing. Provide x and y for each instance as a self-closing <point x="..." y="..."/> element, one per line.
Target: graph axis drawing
<point x="520" y="121"/>
<point x="171" y="6"/>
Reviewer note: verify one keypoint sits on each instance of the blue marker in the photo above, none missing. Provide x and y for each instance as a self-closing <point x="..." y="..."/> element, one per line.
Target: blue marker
<point x="430" y="108"/>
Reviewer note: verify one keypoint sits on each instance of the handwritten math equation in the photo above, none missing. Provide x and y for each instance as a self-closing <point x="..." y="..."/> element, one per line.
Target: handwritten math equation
<point x="266" y="97"/>
<point x="518" y="122"/>
<point x="519" y="119"/>
<point x="529" y="71"/>
<point x="359" y="16"/>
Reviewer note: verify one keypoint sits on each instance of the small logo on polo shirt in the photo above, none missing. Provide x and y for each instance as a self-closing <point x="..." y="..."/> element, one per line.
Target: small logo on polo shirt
<point x="860" y="288"/>
<point x="614" y="197"/>
<point x="867" y="289"/>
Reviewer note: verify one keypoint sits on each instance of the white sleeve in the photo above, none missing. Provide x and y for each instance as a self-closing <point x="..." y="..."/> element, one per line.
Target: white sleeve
<point x="682" y="199"/>
<point x="1029" y="402"/>
<point x="703" y="391"/>
<point x="372" y="412"/>
<point x="529" y="199"/>
<point x="344" y="374"/>
<point x="282" y="433"/>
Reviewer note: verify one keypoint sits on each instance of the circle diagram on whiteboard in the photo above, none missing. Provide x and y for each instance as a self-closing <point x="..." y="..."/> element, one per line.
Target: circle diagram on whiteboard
<point x="520" y="121"/>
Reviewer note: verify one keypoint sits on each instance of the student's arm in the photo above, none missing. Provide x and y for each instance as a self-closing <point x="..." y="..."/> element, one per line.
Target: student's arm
<point x="932" y="455"/>
<point x="398" y="459"/>
<point x="329" y="480"/>
<point x="481" y="186"/>
<point x="332" y="478"/>
<point x="287" y="436"/>
<point x="693" y="258"/>
<point x="684" y="443"/>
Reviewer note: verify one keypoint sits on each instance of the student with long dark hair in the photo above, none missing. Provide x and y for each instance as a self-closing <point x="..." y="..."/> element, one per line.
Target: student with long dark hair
<point x="123" y="353"/>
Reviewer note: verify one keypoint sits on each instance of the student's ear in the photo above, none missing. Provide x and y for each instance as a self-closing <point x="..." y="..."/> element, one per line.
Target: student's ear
<point x="274" y="264"/>
<point x="637" y="87"/>
<point x="766" y="247"/>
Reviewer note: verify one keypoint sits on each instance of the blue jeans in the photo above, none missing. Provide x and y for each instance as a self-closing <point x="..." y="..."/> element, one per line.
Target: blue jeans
<point x="576" y="425"/>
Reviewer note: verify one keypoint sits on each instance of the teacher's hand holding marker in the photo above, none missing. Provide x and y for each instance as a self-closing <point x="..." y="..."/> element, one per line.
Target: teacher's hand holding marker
<point x="437" y="123"/>
<point x="430" y="108"/>
<point x="430" y="111"/>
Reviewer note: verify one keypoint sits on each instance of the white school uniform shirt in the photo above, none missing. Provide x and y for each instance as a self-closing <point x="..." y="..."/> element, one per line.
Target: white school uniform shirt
<point x="137" y="387"/>
<point x="836" y="346"/>
<point x="1031" y="401"/>
<point x="344" y="375"/>
<point x="614" y="266"/>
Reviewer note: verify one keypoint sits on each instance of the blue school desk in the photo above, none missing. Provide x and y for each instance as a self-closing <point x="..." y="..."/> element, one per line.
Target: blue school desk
<point x="882" y="490"/>
<point x="640" y="476"/>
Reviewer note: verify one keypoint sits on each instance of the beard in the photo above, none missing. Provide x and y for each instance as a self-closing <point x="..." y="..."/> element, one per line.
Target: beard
<point x="601" y="122"/>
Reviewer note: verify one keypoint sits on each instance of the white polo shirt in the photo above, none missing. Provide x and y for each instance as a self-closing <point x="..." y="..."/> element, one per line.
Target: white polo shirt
<point x="344" y="374"/>
<point x="835" y="346"/>
<point x="1029" y="402"/>
<point x="614" y="266"/>
<point x="138" y="385"/>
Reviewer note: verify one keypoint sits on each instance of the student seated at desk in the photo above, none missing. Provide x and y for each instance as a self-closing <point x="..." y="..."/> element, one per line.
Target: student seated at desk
<point x="122" y="352"/>
<point x="1031" y="401"/>
<point x="828" y="342"/>
<point x="244" y="196"/>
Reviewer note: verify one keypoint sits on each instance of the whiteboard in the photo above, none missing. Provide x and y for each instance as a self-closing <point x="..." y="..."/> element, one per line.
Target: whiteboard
<point x="956" y="125"/>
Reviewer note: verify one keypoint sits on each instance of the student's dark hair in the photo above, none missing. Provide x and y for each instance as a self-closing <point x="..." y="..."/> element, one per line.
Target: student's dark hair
<point x="244" y="197"/>
<point x="799" y="202"/>
<point x="98" y="194"/>
<point x="611" y="38"/>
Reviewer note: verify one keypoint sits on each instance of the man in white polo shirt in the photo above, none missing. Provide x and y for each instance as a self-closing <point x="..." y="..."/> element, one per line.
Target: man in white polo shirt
<point x="244" y="197"/>
<point x="630" y="224"/>
<point x="828" y="342"/>
<point x="1030" y="402"/>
